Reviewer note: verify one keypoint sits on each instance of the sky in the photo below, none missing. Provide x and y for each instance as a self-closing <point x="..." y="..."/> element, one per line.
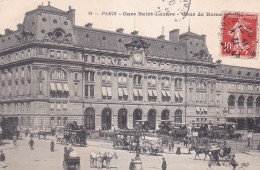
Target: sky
<point x="12" y="12"/>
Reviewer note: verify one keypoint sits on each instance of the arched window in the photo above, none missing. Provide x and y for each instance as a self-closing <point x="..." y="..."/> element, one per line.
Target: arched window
<point x="58" y="74"/>
<point x="28" y="71"/>
<point x="231" y="101"/>
<point x="250" y="102"/>
<point x="178" y="83"/>
<point x="241" y="101"/>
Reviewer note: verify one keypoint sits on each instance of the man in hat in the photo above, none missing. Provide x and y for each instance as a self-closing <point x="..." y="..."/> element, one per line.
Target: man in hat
<point x="52" y="146"/>
<point x="2" y="159"/>
<point x="233" y="162"/>
<point x="31" y="143"/>
<point x="164" y="165"/>
<point x="132" y="165"/>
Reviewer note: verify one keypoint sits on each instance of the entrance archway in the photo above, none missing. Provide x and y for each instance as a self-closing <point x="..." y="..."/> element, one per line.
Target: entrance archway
<point x="137" y="115"/>
<point x="106" y="119"/>
<point x="178" y="116"/>
<point x="152" y="119"/>
<point x="165" y="114"/>
<point x="89" y="119"/>
<point x="122" y="118"/>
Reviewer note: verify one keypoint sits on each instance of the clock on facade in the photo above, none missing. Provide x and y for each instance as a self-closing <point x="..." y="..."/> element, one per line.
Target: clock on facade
<point x="138" y="57"/>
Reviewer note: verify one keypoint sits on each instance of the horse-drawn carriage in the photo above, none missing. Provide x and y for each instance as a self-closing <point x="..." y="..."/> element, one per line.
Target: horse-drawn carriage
<point x="74" y="136"/>
<point x="133" y="140"/>
<point x="71" y="160"/>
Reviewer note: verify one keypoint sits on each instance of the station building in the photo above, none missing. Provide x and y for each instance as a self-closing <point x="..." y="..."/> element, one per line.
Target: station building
<point x="53" y="71"/>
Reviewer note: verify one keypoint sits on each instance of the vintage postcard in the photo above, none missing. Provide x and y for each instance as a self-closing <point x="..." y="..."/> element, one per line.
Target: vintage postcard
<point x="138" y="85"/>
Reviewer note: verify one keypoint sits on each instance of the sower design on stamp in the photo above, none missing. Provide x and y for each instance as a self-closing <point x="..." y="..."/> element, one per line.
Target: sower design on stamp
<point x="239" y="38"/>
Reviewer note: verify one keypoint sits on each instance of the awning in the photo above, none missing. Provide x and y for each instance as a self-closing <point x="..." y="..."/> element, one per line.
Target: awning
<point x="180" y="93"/>
<point x="65" y="87"/>
<point x="205" y="109"/>
<point x="168" y="93"/>
<point x="150" y="93"/>
<point x="124" y="79"/>
<point x="109" y="92"/>
<point x="135" y="93"/>
<point x="125" y="91"/>
<point x="108" y="77"/>
<point x="163" y="93"/>
<point x="197" y="109"/>
<point x="119" y="79"/>
<point x="120" y="92"/>
<point x="154" y="93"/>
<point x="104" y="91"/>
<point x="176" y="94"/>
<point x="59" y="86"/>
<point x="140" y="92"/>
<point x="53" y="87"/>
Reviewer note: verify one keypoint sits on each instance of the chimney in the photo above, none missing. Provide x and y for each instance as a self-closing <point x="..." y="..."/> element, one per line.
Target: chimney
<point x="204" y="38"/>
<point x="71" y="14"/>
<point x="120" y="30"/>
<point x="219" y="62"/>
<point x="19" y="26"/>
<point x="161" y="37"/>
<point x="8" y="31"/>
<point x="174" y="35"/>
<point x="89" y="25"/>
<point x="49" y="3"/>
<point x="135" y="33"/>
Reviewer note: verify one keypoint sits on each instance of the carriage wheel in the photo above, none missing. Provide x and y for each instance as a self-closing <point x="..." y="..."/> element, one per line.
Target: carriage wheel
<point x="73" y="141"/>
<point x="146" y="150"/>
<point x="119" y="144"/>
<point x="77" y="167"/>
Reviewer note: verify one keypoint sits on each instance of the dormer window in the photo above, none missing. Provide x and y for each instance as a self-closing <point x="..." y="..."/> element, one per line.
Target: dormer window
<point x="257" y="74"/>
<point x="230" y="72"/>
<point x="248" y="74"/>
<point x="239" y="73"/>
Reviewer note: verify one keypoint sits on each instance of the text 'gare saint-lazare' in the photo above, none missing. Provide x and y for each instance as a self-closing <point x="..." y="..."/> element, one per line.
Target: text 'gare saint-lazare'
<point x="112" y="13"/>
<point x="101" y="78"/>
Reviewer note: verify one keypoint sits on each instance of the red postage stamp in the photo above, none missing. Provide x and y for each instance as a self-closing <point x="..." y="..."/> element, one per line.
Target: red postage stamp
<point x="239" y="35"/>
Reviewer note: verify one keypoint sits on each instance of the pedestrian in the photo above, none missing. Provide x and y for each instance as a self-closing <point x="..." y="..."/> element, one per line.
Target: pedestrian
<point x="52" y="146"/>
<point x="2" y="160"/>
<point x="189" y="148"/>
<point x="31" y="143"/>
<point x="26" y="132"/>
<point x="132" y="165"/>
<point x="14" y="140"/>
<point x="170" y="145"/>
<point x="164" y="165"/>
<point x="233" y="162"/>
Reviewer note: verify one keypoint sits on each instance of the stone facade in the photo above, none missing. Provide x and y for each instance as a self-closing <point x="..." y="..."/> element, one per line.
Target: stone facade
<point x="53" y="71"/>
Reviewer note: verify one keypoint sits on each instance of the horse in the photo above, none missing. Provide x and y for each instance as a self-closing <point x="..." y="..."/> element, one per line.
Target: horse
<point x="94" y="159"/>
<point x="59" y="138"/>
<point x="108" y="157"/>
<point x="201" y="151"/>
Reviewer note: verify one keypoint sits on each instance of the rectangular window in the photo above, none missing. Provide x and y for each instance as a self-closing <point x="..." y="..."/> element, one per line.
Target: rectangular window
<point x="86" y="76"/>
<point x="58" y="54"/>
<point x="102" y="60"/>
<point x="93" y="59"/>
<point x="40" y="87"/>
<point x="110" y="61"/>
<point x="86" y="91"/>
<point x="125" y="62"/>
<point x="65" y="121"/>
<point x="51" y="106"/>
<point x="52" y="54"/>
<point x="65" y="55"/>
<point x="59" y="121"/>
<point x="52" y="121"/>
<point x="92" y="76"/>
<point x="119" y="62"/>
<point x="148" y="64"/>
<point x="58" y="106"/>
<point x="92" y="91"/>
<point x="85" y="58"/>
<point x="65" y="106"/>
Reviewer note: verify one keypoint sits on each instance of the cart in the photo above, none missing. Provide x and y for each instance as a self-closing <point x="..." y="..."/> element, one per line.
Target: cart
<point x="71" y="162"/>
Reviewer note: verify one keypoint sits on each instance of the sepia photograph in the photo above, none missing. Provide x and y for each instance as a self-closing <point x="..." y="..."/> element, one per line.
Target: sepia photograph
<point x="129" y="85"/>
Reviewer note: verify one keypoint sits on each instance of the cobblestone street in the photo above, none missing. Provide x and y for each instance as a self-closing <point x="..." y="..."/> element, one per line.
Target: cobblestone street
<point x="22" y="158"/>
